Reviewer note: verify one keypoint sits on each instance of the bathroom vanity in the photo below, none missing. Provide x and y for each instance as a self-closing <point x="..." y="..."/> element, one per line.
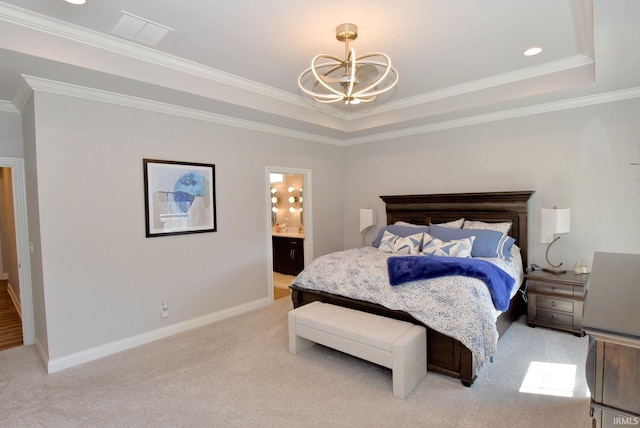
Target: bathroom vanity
<point x="288" y="253"/>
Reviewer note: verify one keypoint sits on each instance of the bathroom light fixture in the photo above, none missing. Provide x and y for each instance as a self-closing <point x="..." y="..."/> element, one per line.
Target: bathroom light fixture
<point x="553" y="222"/>
<point x="352" y="79"/>
<point x="76" y="1"/>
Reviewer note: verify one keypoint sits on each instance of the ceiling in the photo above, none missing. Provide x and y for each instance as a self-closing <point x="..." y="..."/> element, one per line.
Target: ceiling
<point x="460" y="61"/>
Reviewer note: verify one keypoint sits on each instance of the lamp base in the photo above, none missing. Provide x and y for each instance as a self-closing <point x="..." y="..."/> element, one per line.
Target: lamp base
<point x="556" y="271"/>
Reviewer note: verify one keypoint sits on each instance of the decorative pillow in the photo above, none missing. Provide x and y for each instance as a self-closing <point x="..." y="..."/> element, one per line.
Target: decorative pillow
<point x="456" y="248"/>
<point x="399" y="230"/>
<point x="397" y="244"/>
<point x="500" y="227"/>
<point x="488" y="243"/>
<point x="456" y="224"/>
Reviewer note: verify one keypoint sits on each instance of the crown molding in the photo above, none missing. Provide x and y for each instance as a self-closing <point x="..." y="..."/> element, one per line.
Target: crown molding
<point x="52" y="26"/>
<point x="55" y="27"/>
<point x="7" y="106"/>
<point x="589" y="100"/>
<point x="76" y="91"/>
<point x="547" y="68"/>
<point x="29" y="83"/>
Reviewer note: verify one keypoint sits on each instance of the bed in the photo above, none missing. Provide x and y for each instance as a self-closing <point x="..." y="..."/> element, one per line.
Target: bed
<point x="445" y="354"/>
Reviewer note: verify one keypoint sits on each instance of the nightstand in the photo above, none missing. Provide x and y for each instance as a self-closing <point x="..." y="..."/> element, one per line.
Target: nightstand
<point x="556" y="300"/>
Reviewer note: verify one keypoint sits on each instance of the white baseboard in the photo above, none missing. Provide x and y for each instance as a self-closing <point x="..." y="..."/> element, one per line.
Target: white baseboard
<point x="57" y="364"/>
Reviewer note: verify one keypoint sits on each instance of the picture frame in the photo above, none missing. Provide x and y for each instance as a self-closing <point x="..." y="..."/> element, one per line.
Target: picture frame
<point x="180" y="197"/>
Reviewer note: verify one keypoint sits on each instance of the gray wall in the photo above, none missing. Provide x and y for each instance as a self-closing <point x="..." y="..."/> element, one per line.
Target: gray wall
<point x="577" y="159"/>
<point x="97" y="279"/>
<point x="102" y="279"/>
<point x="11" y="134"/>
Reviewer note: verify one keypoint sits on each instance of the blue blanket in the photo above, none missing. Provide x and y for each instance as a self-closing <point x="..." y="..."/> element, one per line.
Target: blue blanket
<point x="412" y="268"/>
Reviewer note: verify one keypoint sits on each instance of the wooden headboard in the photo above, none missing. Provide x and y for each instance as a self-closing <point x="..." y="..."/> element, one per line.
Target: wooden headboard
<point x="491" y="207"/>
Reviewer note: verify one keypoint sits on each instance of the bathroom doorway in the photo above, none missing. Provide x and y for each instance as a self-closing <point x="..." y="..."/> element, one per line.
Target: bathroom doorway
<point x="289" y="224"/>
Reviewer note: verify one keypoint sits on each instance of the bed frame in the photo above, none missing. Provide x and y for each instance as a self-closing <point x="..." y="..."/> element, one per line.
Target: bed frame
<point x="445" y="355"/>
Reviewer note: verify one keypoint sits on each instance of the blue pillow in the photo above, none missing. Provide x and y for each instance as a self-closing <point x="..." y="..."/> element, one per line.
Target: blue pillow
<point x="488" y="243"/>
<point x="399" y="230"/>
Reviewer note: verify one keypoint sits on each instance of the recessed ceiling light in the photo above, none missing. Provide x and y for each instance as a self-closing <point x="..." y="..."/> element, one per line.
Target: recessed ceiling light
<point x="76" y="1"/>
<point x="532" y="51"/>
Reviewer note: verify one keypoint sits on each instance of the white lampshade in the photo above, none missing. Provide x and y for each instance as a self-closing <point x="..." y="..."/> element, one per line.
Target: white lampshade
<point x="554" y="221"/>
<point x="367" y="218"/>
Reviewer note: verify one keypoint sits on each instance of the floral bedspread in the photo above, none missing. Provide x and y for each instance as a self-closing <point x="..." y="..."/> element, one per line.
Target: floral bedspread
<point x="457" y="306"/>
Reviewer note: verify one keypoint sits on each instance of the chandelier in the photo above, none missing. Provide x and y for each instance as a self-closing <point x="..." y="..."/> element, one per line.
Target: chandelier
<point x="352" y="79"/>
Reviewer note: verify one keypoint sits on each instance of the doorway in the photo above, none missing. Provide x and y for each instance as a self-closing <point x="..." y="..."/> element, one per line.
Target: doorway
<point x="289" y="224"/>
<point x="20" y="273"/>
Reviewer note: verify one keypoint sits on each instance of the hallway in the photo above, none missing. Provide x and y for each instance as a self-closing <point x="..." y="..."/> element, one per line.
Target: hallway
<point x="10" y="322"/>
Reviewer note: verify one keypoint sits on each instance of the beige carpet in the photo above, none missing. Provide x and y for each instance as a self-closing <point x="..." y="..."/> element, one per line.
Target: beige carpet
<point x="238" y="373"/>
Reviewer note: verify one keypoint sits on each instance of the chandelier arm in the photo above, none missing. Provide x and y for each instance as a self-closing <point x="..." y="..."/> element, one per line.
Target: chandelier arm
<point x="380" y="91"/>
<point x="331" y="70"/>
<point x="387" y="66"/>
<point x="352" y="77"/>
<point x="317" y="76"/>
<point x="307" y="91"/>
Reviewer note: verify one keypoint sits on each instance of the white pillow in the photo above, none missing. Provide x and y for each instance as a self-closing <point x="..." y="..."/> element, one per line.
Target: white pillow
<point x="391" y="243"/>
<point x="500" y="227"/>
<point x="456" y="248"/>
<point x="455" y="224"/>
<point x="404" y="223"/>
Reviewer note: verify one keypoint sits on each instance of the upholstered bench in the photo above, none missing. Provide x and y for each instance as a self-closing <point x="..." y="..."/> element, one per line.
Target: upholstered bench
<point x="398" y="345"/>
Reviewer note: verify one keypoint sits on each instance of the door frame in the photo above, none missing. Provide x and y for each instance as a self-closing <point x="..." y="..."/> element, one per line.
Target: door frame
<point x="22" y="245"/>
<point x="307" y="217"/>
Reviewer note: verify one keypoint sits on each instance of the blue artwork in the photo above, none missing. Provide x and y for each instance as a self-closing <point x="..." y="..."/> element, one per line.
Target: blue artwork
<point x="187" y="187"/>
<point x="179" y="197"/>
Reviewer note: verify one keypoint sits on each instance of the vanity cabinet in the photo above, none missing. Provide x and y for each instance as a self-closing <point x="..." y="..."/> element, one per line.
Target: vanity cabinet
<point x="612" y="321"/>
<point x="288" y="255"/>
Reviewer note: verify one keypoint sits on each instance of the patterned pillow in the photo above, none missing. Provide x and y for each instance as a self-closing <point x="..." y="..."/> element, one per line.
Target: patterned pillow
<point x="456" y="248"/>
<point x="397" y="244"/>
<point x="399" y="230"/>
<point x="500" y="227"/>
<point x="455" y="224"/>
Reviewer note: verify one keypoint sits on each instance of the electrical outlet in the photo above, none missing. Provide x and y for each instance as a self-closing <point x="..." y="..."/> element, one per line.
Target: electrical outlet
<point x="164" y="309"/>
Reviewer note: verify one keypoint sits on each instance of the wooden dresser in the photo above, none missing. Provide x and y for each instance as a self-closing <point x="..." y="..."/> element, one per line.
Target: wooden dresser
<point x="556" y="300"/>
<point x="612" y="321"/>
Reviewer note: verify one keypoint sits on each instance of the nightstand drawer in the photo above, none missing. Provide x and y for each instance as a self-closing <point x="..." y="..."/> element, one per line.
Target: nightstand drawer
<point x="554" y="304"/>
<point x="543" y="287"/>
<point x="554" y="317"/>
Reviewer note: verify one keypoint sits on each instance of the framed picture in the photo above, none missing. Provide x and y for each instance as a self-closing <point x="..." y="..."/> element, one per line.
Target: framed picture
<point x="180" y="197"/>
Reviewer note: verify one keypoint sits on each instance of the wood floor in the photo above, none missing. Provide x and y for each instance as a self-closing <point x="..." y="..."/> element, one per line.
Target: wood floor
<point x="10" y="322"/>
<point x="281" y="285"/>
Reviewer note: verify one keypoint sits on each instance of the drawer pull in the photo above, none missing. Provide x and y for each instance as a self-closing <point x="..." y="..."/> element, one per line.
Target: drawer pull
<point x="553" y="317"/>
<point x="553" y="288"/>
<point x="553" y="303"/>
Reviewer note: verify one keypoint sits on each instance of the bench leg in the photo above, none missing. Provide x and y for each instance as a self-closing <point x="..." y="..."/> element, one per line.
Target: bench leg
<point x="409" y="361"/>
<point x="296" y="344"/>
